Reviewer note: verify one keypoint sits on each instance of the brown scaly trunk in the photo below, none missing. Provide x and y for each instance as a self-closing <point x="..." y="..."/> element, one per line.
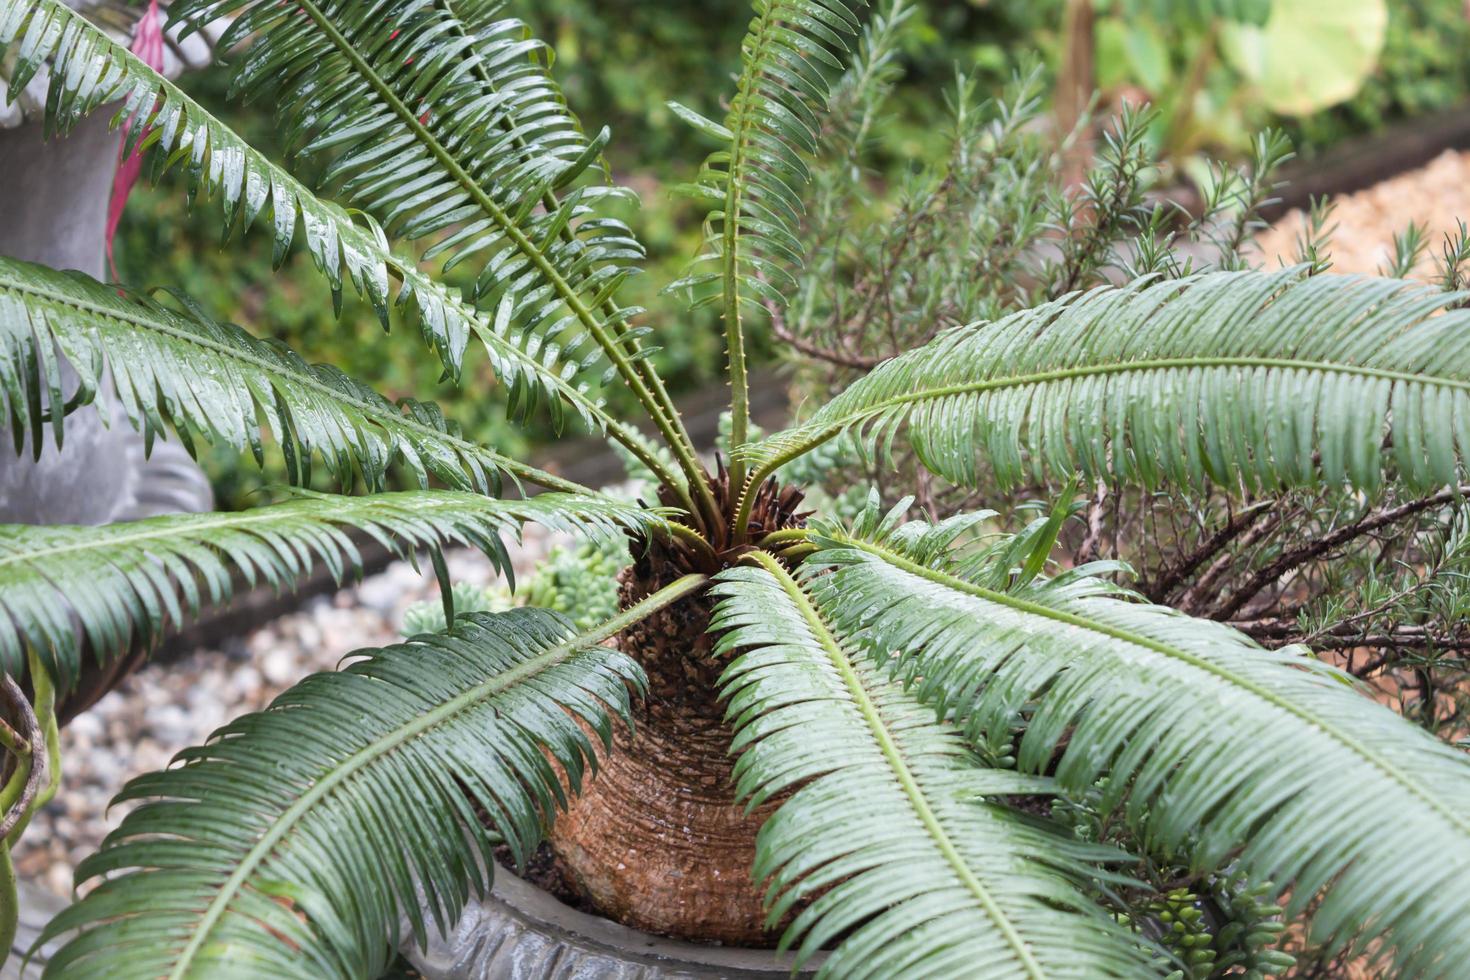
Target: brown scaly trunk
<point x="656" y="840"/>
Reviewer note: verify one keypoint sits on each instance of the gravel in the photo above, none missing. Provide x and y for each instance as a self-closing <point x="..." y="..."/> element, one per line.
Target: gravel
<point x="1435" y="195"/>
<point x="165" y="707"/>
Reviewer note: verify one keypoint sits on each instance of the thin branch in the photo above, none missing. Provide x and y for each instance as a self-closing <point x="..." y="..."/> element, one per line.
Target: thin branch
<point x="1328" y="543"/>
<point x="815" y="351"/>
<point x="1087" y="551"/>
<point x="1174" y="576"/>
<point x="1280" y="631"/>
<point x="1262" y="527"/>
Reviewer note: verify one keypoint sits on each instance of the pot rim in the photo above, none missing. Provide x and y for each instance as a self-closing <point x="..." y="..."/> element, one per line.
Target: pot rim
<point x="516" y="906"/>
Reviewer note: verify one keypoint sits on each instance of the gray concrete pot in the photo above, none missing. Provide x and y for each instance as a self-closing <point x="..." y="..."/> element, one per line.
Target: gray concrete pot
<point x="522" y="933"/>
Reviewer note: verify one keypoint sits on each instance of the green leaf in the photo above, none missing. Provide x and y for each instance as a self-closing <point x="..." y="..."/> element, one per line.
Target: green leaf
<point x="1309" y="54"/>
<point x="132" y="581"/>
<point x="179" y="368"/>
<point x="751" y="239"/>
<point x="1240" y="379"/>
<point x="292" y="842"/>
<point x="700" y="123"/>
<point x="893" y="833"/>
<point x="1046" y="535"/>
<point x="439" y="118"/>
<point x="1212" y="748"/>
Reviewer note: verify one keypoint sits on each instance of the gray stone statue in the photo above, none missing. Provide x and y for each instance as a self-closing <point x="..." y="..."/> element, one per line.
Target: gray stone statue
<point x="53" y="210"/>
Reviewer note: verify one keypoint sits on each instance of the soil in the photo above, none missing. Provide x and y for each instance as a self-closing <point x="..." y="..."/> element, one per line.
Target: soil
<point x="549" y="874"/>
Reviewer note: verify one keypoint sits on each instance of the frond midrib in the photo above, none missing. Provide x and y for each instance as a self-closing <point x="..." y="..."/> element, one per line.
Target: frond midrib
<point x="892" y="754"/>
<point x="550" y="202"/>
<point x="610" y="307"/>
<point x="386" y="743"/>
<point x="195" y="526"/>
<point x="1344" y="738"/>
<point x="294" y="379"/>
<point x="730" y="236"/>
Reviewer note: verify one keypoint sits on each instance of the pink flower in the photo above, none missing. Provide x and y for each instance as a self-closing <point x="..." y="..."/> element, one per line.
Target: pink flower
<point x="148" y="46"/>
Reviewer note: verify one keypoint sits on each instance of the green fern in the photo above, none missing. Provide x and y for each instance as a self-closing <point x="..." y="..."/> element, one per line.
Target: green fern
<point x="772" y="122"/>
<point x="133" y="580"/>
<point x="1178" y="713"/>
<point x="438" y="119"/>
<point x="279" y="847"/>
<point x="893" y="836"/>
<point x="350" y="83"/>
<point x="751" y="235"/>
<point x="1255" y="379"/>
<point x="180" y="369"/>
<point x="888" y="688"/>
<point x="89" y="71"/>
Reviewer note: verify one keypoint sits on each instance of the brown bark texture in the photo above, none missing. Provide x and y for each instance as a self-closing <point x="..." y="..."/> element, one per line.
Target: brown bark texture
<point x="657" y="840"/>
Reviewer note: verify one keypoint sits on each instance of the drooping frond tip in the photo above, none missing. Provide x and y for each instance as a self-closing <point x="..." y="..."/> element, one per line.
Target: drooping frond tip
<point x="1214" y="750"/>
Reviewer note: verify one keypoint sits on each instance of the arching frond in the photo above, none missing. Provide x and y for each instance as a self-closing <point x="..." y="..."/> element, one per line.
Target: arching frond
<point x="178" y="368"/>
<point x="891" y="836"/>
<point x="134" y="580"/>
<point x="89" y="71"/>
<point x="1212" y="748"/>
<point x="291" y="843"/>
<point x="752" y="182"/>
<point x="1265" y="379"/>
<point x="431" y="126"/>
<point x="787" y="58"/>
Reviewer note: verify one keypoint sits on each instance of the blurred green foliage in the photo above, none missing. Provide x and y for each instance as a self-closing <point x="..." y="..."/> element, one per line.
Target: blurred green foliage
<point x="620" y="61"/>
<point x="1173" y="60"/>
<point x="1425" y="68"/>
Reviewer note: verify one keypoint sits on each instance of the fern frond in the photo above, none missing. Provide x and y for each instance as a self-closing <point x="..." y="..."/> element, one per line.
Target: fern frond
<point x="549" y="121"/>
<point x="290" y="844"/>
<point x="893" y="835"/>
<point x="132" y="581"/>
<point x="1213" y="749"/>
<point x="786" y="57"/>
<point x="1261" y="379"/>
<point x="88" y="71"/>
<point x="751" y="241"/>
<point x="443" y="131"/>
<point x="181" y="369"/>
